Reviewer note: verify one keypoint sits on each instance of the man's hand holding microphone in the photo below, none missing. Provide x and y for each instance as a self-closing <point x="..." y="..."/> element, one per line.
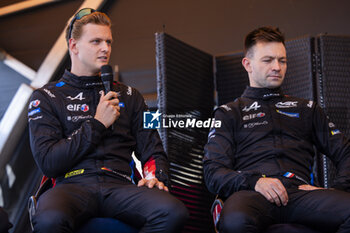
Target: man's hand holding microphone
<point x="108" y="109"/>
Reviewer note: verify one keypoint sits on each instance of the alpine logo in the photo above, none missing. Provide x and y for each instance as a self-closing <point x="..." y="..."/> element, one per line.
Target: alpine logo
<point x="254" y="106"/>
<point x="77" y="97"/>
<point x="78" y="107"/>
<point x="254" y="115"/>
<point x="287" y="104"/>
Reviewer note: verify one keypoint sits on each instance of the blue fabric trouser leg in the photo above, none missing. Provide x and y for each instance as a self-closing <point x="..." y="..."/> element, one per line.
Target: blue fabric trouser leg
<point x="66" y="207"/>
<point x="106" y="225"/>
<point x="324" y="210"/>
<point x="5" y="224"/>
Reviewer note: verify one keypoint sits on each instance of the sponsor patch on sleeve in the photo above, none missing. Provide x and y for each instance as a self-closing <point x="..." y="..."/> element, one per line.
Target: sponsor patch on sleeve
<point x="310" y="104"/>
<point x="33" y="112"/>
<point x="331" y="125"/>
<point x="212" y="133"/>
<point x="34" y="104"/>
<point x="227" y="108"/>
<point x="336" y="131"/>
<point x="74" y="173"/>
<point x="34" y="118"/>
<point x="129" y="91"/>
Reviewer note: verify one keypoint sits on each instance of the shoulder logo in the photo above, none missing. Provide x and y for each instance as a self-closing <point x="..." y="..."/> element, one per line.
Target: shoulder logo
<point x="33" y="112"/>
<point x="34" y="118"/>
<point x="287" y="104"/>
<point x="129" y="92"/>
<point x="334" y="132"/>
<point x="77" y="97"/>
<point x="310" y="104"/>
<point x="212" y="133"/>
<point x="34" y="103"/>
<point x="254" y="106"/>
<point x="49" y="93"/>
<point x="227" y="108"/>
<point x="60" y="84"/>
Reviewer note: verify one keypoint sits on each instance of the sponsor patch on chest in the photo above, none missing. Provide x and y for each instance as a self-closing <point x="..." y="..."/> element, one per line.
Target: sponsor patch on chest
<point x="252" y="116"/>
<point x="290" y="114"/>
<point x="78" y="107"/>
<point x="254" y="124"/>
<point x="287" y="104"/>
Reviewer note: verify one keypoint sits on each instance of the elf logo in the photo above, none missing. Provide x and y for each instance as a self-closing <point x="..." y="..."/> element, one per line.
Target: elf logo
<point x="78" y="107"/>
<point x="254" y="115"/>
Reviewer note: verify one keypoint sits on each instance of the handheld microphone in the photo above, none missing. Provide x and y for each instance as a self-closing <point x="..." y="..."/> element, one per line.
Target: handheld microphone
<point x="107" y="77"/>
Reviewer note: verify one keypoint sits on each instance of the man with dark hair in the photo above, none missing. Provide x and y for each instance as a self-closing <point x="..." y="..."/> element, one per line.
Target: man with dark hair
<point x="259" y="160"/>
<point x="84" y="138"/>
<point x="265" y="34"/>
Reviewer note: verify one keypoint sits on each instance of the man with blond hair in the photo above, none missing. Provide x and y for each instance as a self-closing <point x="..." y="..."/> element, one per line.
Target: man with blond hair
<point x="84" y="138"/>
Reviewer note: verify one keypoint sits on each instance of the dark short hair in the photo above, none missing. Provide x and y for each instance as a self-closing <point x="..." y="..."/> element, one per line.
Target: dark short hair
<point x="262" y="34"/>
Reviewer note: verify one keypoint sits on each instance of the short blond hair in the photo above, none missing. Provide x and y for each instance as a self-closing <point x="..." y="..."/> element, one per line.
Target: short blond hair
<point x="77" y="27"/>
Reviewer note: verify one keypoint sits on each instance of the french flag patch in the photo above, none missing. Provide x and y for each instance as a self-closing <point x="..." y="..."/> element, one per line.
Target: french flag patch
<point x="288" y="175"/>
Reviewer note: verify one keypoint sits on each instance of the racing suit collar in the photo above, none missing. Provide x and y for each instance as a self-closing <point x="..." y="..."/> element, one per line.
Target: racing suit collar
<point x="262" y="93"/>
<point x="81" y="81"/>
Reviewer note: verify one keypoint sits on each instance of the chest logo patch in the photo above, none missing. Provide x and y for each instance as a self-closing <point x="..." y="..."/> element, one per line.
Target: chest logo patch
<point x="287" y="104"/>
<point x="78" y="107"/>
<point x="254" y="106"/>
<point x="290" y="114"/>
<point x="253" y="124"/>
<point x="254" y="115"/>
